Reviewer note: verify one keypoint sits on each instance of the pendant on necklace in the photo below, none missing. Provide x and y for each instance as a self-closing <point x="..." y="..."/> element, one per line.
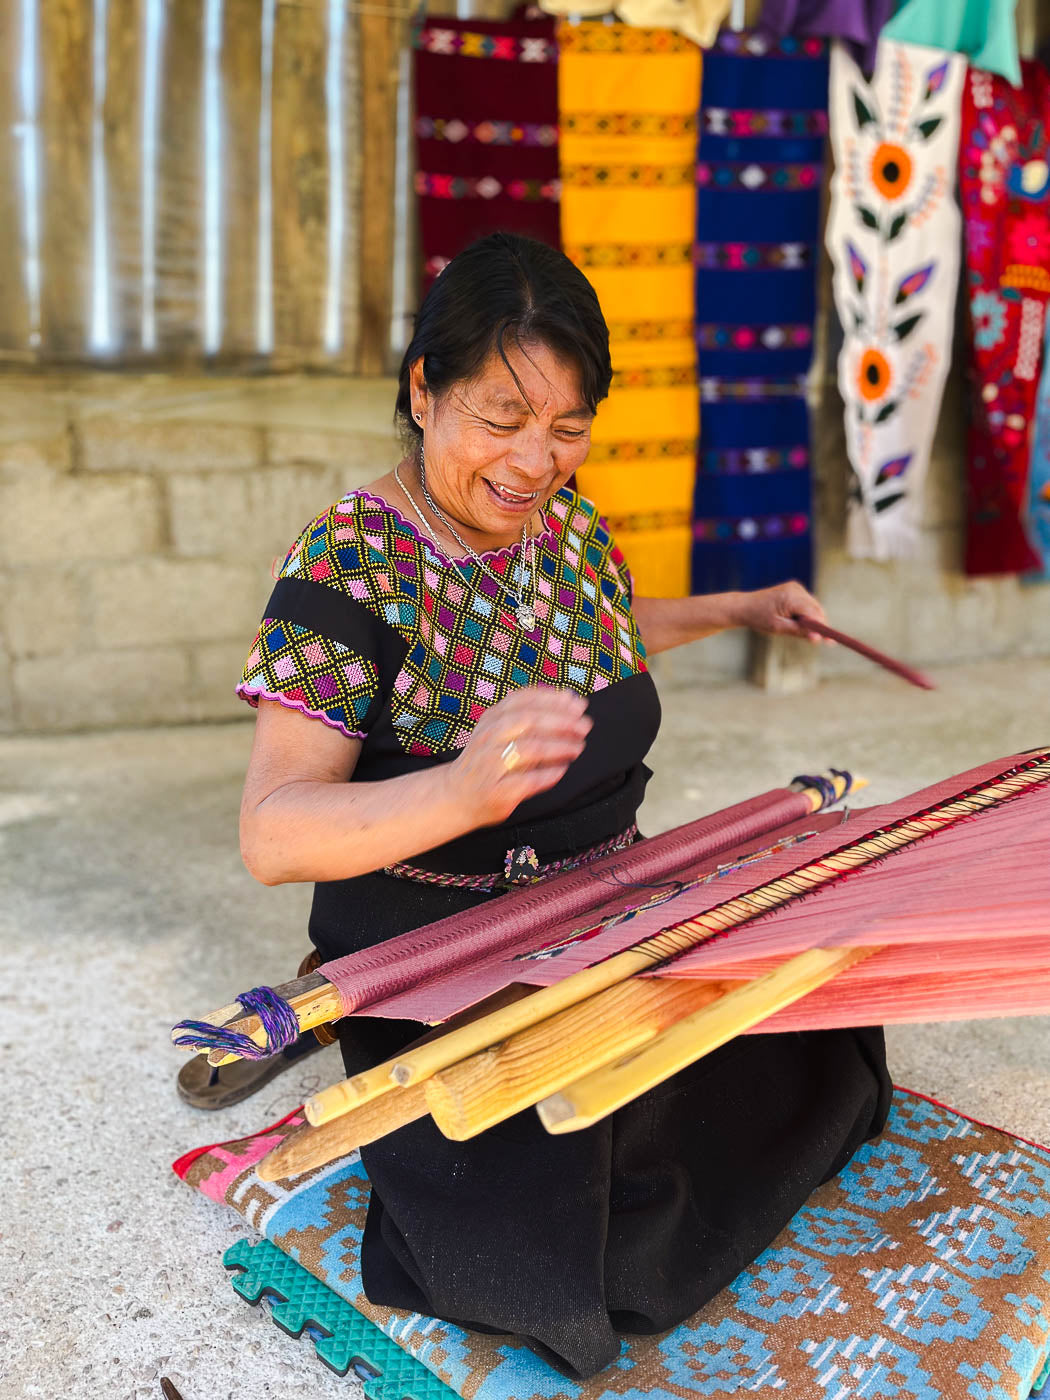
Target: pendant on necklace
<point x="526" y="617"/>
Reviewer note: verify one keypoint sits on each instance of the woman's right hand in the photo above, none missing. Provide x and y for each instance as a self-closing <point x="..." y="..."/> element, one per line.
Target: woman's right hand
<point x="520" y="747"/>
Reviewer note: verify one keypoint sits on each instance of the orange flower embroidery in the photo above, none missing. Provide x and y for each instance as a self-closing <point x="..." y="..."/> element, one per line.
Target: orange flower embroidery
<point x="873" y="377"/>
<point x="891" y="170"/>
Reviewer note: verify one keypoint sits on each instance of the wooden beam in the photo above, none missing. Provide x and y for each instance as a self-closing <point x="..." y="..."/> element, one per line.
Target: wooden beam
<point x="122" y="119"/>
<point x="485" y="1089"/>
<point x="595" y="1095"/>
<point x="309" y="1147"/>
<point x="380" y="39"/>
<point x="241" y="102"/>
<point x="65" y="60"/>
<point x="180" y="190"/>
<point x="15" y="345"/>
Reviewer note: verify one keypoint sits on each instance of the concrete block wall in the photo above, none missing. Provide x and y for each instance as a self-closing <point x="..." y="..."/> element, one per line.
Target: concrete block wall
<point x="139" y="523"/>
<point x="140" y="518"/>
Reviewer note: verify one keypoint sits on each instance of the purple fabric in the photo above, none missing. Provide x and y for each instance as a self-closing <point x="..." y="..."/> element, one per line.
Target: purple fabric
<point x="857" y="22"/>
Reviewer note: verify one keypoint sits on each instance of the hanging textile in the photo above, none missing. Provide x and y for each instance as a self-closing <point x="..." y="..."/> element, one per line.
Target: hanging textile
<point x="1037" y="510"/>
<point x="763" y="123"/>
<point x="1005" y="192"/>
<point x="984" y="30"/>
<point x="893" y="236"/>
<point x="486" y="101"/>
<point x="698" y="20"/>
<point x="628" y="100"/>
<point x="856" y="22"/>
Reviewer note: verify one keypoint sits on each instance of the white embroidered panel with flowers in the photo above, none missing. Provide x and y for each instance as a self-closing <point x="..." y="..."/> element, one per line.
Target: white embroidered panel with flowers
<point x="893" y="234"/>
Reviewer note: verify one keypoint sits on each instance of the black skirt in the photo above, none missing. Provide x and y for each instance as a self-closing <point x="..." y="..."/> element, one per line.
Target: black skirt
<point x="627" y="1227"/>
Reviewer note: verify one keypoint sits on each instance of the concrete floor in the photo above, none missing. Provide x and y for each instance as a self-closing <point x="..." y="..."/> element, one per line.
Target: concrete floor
<point x="124" y="907"/>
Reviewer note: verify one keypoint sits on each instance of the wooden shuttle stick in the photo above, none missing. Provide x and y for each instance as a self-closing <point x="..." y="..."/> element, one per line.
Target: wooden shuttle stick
<point x="472" y="1095"/>
<point x="444" y="1050"/>
<point x="908" y="673"/>
<point x="310" y="1147"/>
<point x="599" y="1093"/>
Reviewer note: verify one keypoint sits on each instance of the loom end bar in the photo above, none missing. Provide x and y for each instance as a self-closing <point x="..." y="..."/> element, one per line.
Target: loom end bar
<point x="310" y="1147"/>
<point x="844" y="784"/>
<point x="554" y="1110"/>
<point x="315" y="1007"/>
<point x="594" y="1096"/>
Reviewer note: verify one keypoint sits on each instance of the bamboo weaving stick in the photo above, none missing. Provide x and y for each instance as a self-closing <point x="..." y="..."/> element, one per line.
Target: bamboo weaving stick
<point x="445" y="1050"/>
<point x="315" y="1001"/>
<point x="608" y="1088"/>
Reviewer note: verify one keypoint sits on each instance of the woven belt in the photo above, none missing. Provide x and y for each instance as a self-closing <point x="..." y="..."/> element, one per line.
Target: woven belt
<point x="521" y="866"/>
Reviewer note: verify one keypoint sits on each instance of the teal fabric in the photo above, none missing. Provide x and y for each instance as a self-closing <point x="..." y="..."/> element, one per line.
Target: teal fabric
<point x="984" y="30"/>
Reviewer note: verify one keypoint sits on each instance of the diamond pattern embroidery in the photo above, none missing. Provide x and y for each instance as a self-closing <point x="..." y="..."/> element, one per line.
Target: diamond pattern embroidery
<point x="309" y="673"/>
<point x="465" y="651"/>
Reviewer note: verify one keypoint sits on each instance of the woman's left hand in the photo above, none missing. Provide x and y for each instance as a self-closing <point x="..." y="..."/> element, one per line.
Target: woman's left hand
<point x="773" y="610"/>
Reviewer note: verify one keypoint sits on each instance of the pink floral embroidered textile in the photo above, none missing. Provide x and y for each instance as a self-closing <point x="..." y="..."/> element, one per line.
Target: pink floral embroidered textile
<point x="1004" y="188"/>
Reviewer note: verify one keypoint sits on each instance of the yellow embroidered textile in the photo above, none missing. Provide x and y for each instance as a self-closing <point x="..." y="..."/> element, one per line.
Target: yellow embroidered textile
<point x="699" y="20"/>
<point x="628" y="100"/>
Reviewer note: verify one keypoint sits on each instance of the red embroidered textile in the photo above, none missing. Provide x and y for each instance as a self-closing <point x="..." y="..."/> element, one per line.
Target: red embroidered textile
<point x="1004" y="188"/>
<point x="486" y="101"/>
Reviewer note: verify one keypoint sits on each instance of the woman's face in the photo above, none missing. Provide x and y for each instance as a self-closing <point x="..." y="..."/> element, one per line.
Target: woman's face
<point x="496" y="453"/>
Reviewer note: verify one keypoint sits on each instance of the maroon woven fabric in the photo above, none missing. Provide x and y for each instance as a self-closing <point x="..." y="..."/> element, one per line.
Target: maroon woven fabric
<point x="433" y="952"/>
<point x="433" y="972"/>
<point x="486" y="95"/>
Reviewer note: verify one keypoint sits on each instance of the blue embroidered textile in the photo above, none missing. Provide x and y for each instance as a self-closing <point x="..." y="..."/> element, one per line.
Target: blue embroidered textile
<point x="763" y="122"/>
<point x="920" y="1272"/>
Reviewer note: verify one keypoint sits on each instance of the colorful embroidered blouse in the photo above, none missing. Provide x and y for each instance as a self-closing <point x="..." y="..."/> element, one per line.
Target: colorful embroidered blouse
<point x="372" y="631"/>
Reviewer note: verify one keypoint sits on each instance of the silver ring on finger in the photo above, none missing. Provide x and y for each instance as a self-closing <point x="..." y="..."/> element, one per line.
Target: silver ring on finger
<point x="511" y="756"/>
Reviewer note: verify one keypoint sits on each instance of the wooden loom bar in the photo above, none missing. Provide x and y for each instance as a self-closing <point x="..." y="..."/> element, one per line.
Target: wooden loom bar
<point x="593" y="1096"/>
<point x="315" y="1001"/>
<point x="486" y="1088"/>
<point x="309" y="1147"/>
<point x="444" y="1051"/>
<point x="412" y="1066"/>
<point x="595" y="1039"/>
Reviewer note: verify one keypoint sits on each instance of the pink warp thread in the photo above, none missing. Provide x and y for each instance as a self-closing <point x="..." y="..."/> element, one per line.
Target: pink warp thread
<point x="434" y="951"/>
<point x="947" y="900"/>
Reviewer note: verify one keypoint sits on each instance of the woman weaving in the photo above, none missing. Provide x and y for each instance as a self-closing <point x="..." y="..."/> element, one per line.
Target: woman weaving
<point x="453" y="695"/>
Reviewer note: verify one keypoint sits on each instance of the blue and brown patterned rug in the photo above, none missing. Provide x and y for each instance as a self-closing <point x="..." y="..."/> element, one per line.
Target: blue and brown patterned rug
<point x="922" y="1272"/>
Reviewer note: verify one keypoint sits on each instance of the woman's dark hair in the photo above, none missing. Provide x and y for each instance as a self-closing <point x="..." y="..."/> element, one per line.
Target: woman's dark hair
<point x="505" y="286"/>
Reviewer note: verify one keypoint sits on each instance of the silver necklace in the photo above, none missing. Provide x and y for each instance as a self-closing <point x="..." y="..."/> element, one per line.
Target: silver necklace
<point x="524" y="612"/>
